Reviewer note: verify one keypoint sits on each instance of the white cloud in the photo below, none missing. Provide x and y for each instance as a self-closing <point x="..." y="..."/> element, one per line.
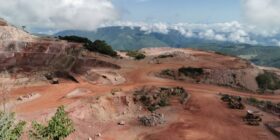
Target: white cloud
<point x="58" y="14"/>
<point x="276" y="42"/>
<point x="262" y="12"/>
<point x="228" y="31"/>
<point x="156" y="27"/>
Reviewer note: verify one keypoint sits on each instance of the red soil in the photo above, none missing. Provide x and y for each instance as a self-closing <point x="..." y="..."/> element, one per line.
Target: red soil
<point x="204" y="116"/>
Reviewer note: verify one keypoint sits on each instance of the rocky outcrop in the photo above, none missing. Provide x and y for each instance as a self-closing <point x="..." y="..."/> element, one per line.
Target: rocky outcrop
<point x="241" y="78"/>
<point x="23" y="50"/>
<point x="24" y="54"/>
<point x="38" y="54"/>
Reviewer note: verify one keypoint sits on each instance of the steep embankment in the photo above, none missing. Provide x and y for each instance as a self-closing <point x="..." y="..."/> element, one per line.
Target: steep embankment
<point x="25" y="54"/>
<point x="205" y="67"/>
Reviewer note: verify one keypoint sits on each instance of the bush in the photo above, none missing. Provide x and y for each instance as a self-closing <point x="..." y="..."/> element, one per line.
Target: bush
<point x="164" y="102"/>
<point x="9" y="130"/>
<point x="168" y="72"/>
<point x="165" y="56"/>
<point x="136" y="55"/>
<point x="253" y="101"/>
<point x="153" y="108"/>
<point x="58" y="128"/>
<point x="102" y="47"/>
<point x="97" y="46"/>
<point x="192" y="72"/>
<point x="268" y="80"/>
<point x="75" y="39"/>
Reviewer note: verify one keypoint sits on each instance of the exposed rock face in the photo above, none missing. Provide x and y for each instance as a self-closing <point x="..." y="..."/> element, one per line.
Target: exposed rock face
<point x="23" y="52"/>
<point x="40" y="54"/>
<point x="19" y="48"/>
<point x="152" y="120"/>
<point x="236" y="78"/>
<point x="242" y="78"/>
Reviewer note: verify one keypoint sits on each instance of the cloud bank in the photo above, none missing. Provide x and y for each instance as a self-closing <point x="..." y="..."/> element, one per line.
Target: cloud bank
<point x="58" y="14"/>
<point x="228" y="31"/>
<point x="265" y="13"/>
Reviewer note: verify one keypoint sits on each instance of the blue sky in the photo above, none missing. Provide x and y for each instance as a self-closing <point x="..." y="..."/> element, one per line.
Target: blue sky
<point x="242" y="21"/>
<point x="90" y="14"/>
<point x="173" y="11"/>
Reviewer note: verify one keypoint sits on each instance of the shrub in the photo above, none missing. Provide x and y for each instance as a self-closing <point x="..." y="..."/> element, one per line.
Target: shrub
<point x="58" y="128"/>
<point x="192" y="72"/>
<point x="153" y="108"/>
<point x="268" y="80"/>
<point x="165" y="56"/>
<point x="163" y="102"/>
<point x="9" y="130"/>
<point x="168" y="72"/>
<point x="97" y="46"/>
<point x="75" y="39"/>
<point x="253" y="101"/>
<point x="102" y="47"/>
<point x="136" y="55"/>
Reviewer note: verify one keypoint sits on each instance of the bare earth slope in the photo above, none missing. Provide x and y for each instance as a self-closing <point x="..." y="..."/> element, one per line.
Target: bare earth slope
<point x="104" y="95"/>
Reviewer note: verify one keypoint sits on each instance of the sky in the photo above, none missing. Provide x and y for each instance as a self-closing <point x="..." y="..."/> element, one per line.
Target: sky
<point x="173" y="11"/>
<point x="89" y="14"/>
<point x="245" y="21"/>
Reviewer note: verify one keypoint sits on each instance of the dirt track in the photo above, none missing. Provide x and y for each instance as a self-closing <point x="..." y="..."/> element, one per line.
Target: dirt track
<point x="204" y="117"/>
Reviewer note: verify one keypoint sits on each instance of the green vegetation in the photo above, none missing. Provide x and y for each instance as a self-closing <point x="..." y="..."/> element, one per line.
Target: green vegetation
<point x="136" y="55"/>
<point x="58" y="128"/>
<point x="75" y="39"/>
<point x="266" y="106"/>
<point x="168" y="72"/>
<point x="125" y="38"/>
<point x="164" y="102"/>
<point x="233" y="102"/>
<point x="102" y="47"/>
<point x="268" y="81"/>
<point x="9" y="129"/>
<point x="165" y="56"/>
<point x="191" y="72"/>
<point x="254" y="101"/>
<point x="153" y="100"/>
<point x="96" y="46"/>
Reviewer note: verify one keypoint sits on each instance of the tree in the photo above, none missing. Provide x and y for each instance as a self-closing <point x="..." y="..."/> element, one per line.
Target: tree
<point x="59" y="127"/>
<point x="102" y="47"/>
<point x="268" y="80"/>
<point x="9" y="130"/>
<point x="97" y="46"/>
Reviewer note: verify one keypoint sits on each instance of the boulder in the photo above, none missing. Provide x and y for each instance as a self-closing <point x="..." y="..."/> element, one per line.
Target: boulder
<point x="54" y="81"/>
<point x="121" y="123"/>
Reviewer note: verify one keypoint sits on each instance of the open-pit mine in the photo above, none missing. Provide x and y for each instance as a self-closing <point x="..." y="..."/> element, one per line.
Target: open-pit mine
<point x="171" y="94"/>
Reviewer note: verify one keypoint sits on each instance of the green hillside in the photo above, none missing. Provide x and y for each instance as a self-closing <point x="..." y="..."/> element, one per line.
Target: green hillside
<point x="126" y="38"/>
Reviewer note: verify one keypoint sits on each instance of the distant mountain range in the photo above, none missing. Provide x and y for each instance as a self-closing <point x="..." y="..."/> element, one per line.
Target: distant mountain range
<point x="126" y="38"/>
